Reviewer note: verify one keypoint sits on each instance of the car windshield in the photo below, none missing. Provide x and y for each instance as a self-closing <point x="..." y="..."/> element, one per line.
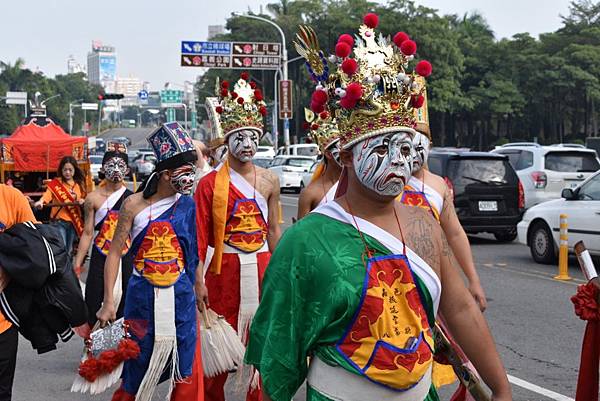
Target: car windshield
<point x="590" y="190"/>
<point x="305" y="163"/>
<point x="96" y="159"/>
<point x="490" y="172"/>
<point x="264" y="163"/>
<point x="307" y="151"/>
<point x="572" y="162"/>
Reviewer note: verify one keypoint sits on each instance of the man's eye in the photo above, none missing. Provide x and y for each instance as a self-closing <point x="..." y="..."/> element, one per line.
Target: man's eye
<point x="381" y="150"/>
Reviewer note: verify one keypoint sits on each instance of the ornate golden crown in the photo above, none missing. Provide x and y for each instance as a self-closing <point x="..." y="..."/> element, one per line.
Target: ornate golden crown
<point x="371" y="94"/>
<point x="323" y="128"/>
<point x="239" y="108"/>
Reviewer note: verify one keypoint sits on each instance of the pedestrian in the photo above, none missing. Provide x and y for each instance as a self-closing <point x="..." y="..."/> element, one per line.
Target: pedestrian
<point x="68" y="188"/>
<point x="357" y="284"/>
<point x="101" y="210"/>
<point x="324" y="183"/>
<point x="161" y="296"/>
<point x="238" y="214"/>
<point x="202" y="165"/>
<point x="14" y="208"/>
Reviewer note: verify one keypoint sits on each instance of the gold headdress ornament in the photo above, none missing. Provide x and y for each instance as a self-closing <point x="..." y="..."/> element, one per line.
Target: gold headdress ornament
<point x="241" y="107"/>
<point x="371" y="94"/>
<point x="323" y="129"/>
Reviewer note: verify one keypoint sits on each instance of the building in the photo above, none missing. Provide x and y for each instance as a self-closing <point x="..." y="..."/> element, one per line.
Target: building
<point x="130" y="87"/>
<point x="73" y="66"/>
<point x="102" y="65"/>
<point x="214" y="30"/>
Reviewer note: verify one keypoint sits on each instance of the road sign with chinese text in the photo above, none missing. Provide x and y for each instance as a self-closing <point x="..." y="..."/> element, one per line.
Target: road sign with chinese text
<point x="231" y="55"/>
<point x="285" y="100"/>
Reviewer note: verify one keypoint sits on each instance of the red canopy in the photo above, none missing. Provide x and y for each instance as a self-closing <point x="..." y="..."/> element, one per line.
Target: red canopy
<point x="39" y="144"/>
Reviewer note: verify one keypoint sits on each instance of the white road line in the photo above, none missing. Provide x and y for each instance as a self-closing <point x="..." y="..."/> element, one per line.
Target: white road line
<point x="537" y="389"/>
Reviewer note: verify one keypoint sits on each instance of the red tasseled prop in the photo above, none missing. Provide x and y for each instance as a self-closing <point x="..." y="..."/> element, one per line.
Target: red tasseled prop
<point x="371" y="20"/>
<point x="346" y="39"/>
<point x="342" y="49"/>
<point x="349" y="66"/>
<point x="408" y="47"/>
<point x="400" y="37"/>
<point x="424" y="68"/>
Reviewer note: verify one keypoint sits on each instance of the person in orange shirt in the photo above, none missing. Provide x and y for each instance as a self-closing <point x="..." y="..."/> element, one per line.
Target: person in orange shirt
<point x="67" y="188"/>
<point x="14" y="208"/>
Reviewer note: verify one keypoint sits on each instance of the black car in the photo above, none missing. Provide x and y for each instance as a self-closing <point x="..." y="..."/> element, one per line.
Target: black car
<point x="488" y="195"/>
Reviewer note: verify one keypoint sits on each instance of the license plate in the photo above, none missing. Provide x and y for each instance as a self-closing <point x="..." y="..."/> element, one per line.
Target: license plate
<point x="488" y="206"/>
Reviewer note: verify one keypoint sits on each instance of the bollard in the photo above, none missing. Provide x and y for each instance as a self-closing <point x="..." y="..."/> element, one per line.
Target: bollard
<point x="134" y="182"/>
<point x="563" y="250"/>
<point x="281" y="221"/>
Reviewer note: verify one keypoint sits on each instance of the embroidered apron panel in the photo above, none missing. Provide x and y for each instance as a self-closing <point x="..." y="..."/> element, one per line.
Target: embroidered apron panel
<point x="412" y="197"/>
<point x="107" y="232"/>
<point x="389" y="340"/>
<point x="160" y="256"/>
<point x="246" y="230"/>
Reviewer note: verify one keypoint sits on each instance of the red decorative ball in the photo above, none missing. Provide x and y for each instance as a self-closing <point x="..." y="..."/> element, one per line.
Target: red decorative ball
<point x="319" y="97"/>
<point x="408" y="47"/>
<point x="262" y="110"/>
<point x="342" y="49"/>
<point x="240" y="100"/>
<point x="219" y="109"/>
<point x="354" y="91"/>
<point x="371" y="20"/>
<point x="224" y="92"/>
<point x="225" y="85"/>
<point x="400" y="37"/>
<point x="417" y="101"/>
<point x="90" y="369"/>
<point x="347" y="102"/>
<point x="234" y="95"/>
<point x="317" y="107"/>
<point x="314" y="127"/>
<point x="129" y="349"/>
<point x="258" y="96"/>
<point x="423" y="68"/>
<point x="345" y="38"/>
<point x="305" y="125"/>
<point x="350" y="66"/>
<point x="324" y="115"/>
<point x="245" y="76"/>
<point x="253" y="85"/>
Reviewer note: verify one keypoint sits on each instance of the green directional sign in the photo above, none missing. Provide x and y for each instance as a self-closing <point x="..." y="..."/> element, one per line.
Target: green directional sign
<point x="171" y="96"/>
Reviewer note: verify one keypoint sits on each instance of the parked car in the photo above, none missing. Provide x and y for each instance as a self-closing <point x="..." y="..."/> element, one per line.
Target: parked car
<point x="121" y="139"/>
<point x="302" y="149"/>
<point x="289" y="169"/>
<point x="265" y="152"/>
<point x="540" y="228"/>
<point x="488" y="196"/>
<point x="100" y="146"/>
<point x="143" y="164"/>
<point x="263" y="162"/>
<point x="95" y="166"/>
<point x="307" y="177"/>
<point x="545" y="170"/>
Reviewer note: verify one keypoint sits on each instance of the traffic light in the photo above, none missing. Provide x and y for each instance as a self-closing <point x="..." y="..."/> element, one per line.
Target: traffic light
<point x="110" y="96"/>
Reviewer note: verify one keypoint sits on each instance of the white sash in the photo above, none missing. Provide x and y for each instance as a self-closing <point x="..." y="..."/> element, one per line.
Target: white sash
<point x="108" y="204"/>
<point x="435" y="199"/>
<point x="153" y="211"/>
<point x="330" y="195"/>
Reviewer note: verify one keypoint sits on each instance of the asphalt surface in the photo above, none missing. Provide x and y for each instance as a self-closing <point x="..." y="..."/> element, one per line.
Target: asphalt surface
<point x="136" y="135"/>
<point x="530" y="314"/>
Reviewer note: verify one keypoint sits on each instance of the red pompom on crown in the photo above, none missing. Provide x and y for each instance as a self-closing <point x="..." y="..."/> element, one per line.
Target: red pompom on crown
<point x="349" y="66"/>
<point x="225" y="85"/>
<point x="245" y="76"/>
<point x="263" y="110"/>
<point x="342" y="49"/>
<point x="354" y="91"/>
<point x="234" y="95"/>
<point x="224" y="92"/>
<point x="347" y="102"/>
<point x="417" y="101"/>
<point x="240" y="100"/>
<point x="346" y="38"/>
<point x="305" y="125"/>
<point x="219" y="109"/>
<point x="253" y="85"/>
<point x="317" y="107"/>
<point x="371" y="20"/>
<point x="314" y="127"/>
<point x="400" y="38"/>
<point x="319" y="97"/>
<point x="423" y="68"/>
<point x="323" y="115"/>
<point x="408" y="47"/>
<point x="258" y="96"/>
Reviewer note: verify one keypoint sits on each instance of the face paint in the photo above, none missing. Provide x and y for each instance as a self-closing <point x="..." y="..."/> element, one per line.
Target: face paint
<point x="334" y="149"/>
<point x="383" y="163"/>
<point x="182" y="178"/>
<point x="421" y="146"/>
<point x="115" y="169"/>
<point x="243" y="145"/>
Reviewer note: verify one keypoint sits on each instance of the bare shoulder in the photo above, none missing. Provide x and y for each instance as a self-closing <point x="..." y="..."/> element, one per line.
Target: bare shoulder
<point x="436" y="182"/>
<point x="422" y="234"/>
<point x="312" y="192"/>
<point x="267" y="174"/>
<point x="267" y="182"/>
<point x="133" y="204"/>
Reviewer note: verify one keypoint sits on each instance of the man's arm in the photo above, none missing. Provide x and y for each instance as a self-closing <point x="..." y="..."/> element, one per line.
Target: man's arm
<point x="273" y="203"/>
<point x="457" y="238"/>
<point x="86" y="236"/>
<point x="111" y="266"/>
<point x="468" y="326"/>
<point x="304" y="203"/>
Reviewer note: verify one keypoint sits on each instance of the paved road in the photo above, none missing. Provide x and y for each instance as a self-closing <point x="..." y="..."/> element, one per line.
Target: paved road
<point x="537" y="333"/>
<point x="136" y="135"/>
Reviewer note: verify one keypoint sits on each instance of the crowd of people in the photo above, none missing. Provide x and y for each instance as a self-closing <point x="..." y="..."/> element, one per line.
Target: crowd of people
<point x="352" y="298"/>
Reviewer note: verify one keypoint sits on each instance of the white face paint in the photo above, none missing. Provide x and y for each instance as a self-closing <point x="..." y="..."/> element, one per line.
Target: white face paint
<point x="334" y="149"/>
<point x="243" y="144"/>
<point x="383" y="163"/>
<point x="115" y="169"/>
<point x="421" y="146"/>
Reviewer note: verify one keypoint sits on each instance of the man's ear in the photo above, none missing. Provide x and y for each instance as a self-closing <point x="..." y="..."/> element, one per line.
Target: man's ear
<point x="346" y="158"/>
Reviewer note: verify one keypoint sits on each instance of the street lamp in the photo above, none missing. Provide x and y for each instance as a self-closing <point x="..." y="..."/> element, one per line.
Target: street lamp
<point x="71" y="114"/>
<point x="284" y="61"/>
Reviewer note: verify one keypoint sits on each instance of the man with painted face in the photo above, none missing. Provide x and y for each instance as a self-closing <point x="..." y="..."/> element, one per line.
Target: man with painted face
<point x="161" y="298"/>
<point x="358" y="282"/>
<point x="324" y="183"/>
<point x="238" y="211"/>
<point x="101" y="213"/>
<point x="430" y="191"/>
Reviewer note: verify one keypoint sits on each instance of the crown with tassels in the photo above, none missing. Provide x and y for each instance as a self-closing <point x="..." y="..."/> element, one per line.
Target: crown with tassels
<point x="372" y="93"/>
<point x="240" y="107"/>
<point x="322" y="127"/>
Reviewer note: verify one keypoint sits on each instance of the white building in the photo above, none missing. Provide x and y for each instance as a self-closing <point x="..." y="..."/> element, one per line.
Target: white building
<point x="130" y="86"/>
<point x="102" y="65"/>
<point x="214" y="30"/>
<point x="73" y="66"/>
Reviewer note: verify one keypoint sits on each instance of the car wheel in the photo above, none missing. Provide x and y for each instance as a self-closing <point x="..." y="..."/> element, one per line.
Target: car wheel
<point x="506" y="236"/>
<point x="541" y="243"/>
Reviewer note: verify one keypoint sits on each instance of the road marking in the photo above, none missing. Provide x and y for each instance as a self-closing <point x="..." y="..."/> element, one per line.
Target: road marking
<point x="575" y="282"/>
<point x="537" y="389"/>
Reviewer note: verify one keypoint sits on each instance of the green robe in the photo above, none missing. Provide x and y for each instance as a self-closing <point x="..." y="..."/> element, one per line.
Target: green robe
<point x="310" y="293"/>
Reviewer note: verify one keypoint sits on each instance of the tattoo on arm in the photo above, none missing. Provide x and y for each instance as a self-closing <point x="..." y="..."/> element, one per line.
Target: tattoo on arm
<point x="421" y="236"/>
<point x="448" y="204"/>
<point x="88" y="213"/>
<point x="123" y="226"/>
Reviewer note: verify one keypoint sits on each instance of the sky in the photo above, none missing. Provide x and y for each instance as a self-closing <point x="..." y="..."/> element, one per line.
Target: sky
<point x="147" y="33"/>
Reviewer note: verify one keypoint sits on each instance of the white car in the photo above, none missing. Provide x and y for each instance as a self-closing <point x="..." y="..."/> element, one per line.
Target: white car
<point x="545" y="171"/>
<point x="290" y="169"/>
<point x="302" y="149"/>
<point x="95" y="166"/>
<point x="307" y="177"/>
<point x="540" y="226"/>
<point x="265" y="152"/>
